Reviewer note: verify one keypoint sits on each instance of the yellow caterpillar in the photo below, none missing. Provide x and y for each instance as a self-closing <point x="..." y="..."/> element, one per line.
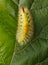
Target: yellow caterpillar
<point x="25" y="28"/>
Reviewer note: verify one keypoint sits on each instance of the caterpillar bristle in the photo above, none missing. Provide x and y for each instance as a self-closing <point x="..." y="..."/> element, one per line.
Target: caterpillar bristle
<point x="23" y="9"/>
<point x="25" y="28"/>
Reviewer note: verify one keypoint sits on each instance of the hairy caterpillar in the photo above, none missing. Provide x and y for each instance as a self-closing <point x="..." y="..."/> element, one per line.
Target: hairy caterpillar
<point x="25" y="26"/>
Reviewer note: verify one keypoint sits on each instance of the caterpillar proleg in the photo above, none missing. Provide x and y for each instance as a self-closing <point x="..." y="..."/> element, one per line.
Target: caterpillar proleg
<point x="25" y="28"/>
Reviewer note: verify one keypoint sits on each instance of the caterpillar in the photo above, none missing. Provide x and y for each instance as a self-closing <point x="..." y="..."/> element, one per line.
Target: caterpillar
<point x="25" y="28"/>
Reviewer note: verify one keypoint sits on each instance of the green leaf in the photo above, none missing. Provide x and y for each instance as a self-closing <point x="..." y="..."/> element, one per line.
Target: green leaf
<point x="8" y="24"/>
<point x="45" y="62"/>
<point x="33" y="53"/>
